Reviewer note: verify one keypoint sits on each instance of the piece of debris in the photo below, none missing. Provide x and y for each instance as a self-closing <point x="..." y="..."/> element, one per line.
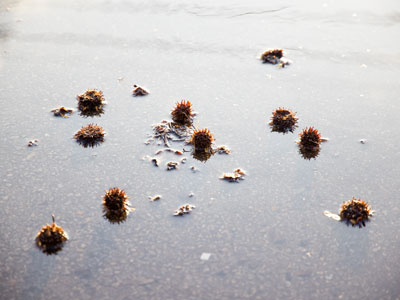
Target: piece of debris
<point x="177" y="152"/>
<point x="182" y="113"/>
<point x="222" y="150"/>
<point x="91" y="103"/>
<point x="155" y="161"/>
<point x="139" y="91"/>
<point x="275" y="56"/>
<point x="205" y="256"/>
<point x="355" y="212"/>
<point x="184" y="209"/>
<point x="90" y="135"/>
<point x="183" y="160"/>
<point x="332" y="215"/>
<point x="62" y="112"/>
<point x="235" y="176"/>
<point x="172" y="165"/>
<point x="116" y="205"/>
<point x="363" y="141"/>
<point x="50" y="238"/>
<point x="191" y="194"/>
<point x="283" y="120"/>
<point x="155" y="198"/>
<point x="166" y="131"/>
<point x="32" y="143"/>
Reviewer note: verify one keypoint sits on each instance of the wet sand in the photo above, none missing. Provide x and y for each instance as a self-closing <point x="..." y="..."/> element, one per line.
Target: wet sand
<point x="267" y="235"/>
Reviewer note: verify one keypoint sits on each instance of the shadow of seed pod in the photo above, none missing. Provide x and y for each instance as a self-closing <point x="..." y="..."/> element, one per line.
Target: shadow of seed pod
<point x="202" y="140"/>
<point x="91" y="103"/>
<point x="355" y="212"/>
<point x="116" y="205"/>
<point x="50" y="239"/>
<point x="202" y="156"/>
<point x="90" y="135"/>
<point x="283" y="120"/>
<point x="309" y="153"/>
<point x="182" y="113"/>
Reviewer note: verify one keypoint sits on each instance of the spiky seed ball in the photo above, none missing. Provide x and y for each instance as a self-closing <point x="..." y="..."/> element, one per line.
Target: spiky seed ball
<point x="50" y="238"/>
<point x="182" y="113"/>
<point x="310" y="139"/>
<point x="115" y="205"/>
<point x="283" y="120"/>
<point x="91" y="103"/>
<point x="90" y="135"/>
<point x="115" y="199"/>
<point x="202" y="140"/>
<point x="355" y="212"/>
<point x="272" y="56"/>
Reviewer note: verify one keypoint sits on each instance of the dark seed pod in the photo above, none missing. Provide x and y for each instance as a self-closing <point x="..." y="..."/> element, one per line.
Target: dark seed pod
<point x="272" y="56"/>
<point x="310" y="139"/>
<point x="116" y="205"/>
<point x="283" y="120"/>
<point x="355" y="212"/>
<point x="182" y="113"/>
<point x="90" y="135"/>
<point x="50" y="238"/>
<point x="202" y="140"/>
<point x="91" y="103"/>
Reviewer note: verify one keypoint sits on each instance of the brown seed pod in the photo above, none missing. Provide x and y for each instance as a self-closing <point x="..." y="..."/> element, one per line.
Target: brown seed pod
<point x="272" y="56"/>
<point x="283" y="120"/>
<point x="90" y="135"/>
<point x="310" y="139"/>
<point x="91" y="103"/>
<point x="116" y="205"/>
<point x="50" y="238"/>
<point x="182" y="113"/>
<point x="202" y="140"/>
<point x="355" y="212"/>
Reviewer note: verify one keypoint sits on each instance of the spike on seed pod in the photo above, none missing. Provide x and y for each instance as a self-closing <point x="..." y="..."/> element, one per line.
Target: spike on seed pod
<point x="310" y="139"/>
<point x="182" y="113"/>
<point x="355" y="212"/>
<point x="283" y="120"/>
<point x="50" y="238"/>
<point x="90" y="135"/>
<point x="91" y="103"/>
<point x="202" y="140"/>
<point x="116" y="205"/>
